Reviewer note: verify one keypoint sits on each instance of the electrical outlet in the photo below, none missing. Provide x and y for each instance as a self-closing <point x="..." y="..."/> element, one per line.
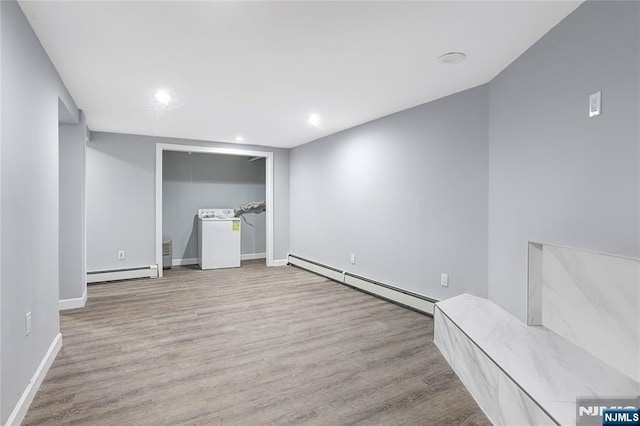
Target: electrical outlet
<point x="353" y="258"/>
<point x="444" y="280"/>
<point x="121" y="255"/>
<point x="595" y="104"/>
<point x="27" y="323"/>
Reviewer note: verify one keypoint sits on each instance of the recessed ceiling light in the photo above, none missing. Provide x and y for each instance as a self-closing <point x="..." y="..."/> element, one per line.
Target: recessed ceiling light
<point x="315" y="121"/>
<point x="452" y="58"/>
<point x="238" y="139"/>
<point x="162" y="100"/>
<point x="163" y="97"/>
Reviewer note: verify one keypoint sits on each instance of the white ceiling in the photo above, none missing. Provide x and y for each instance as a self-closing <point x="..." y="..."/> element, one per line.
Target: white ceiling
<point x="258" y="69"/>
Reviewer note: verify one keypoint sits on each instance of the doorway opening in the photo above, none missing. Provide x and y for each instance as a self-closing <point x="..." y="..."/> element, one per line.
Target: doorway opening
<point x="186" y="245"/>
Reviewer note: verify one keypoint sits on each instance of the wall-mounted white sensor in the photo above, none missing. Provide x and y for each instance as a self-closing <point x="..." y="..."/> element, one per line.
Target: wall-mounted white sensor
<point x="595" y="104"/>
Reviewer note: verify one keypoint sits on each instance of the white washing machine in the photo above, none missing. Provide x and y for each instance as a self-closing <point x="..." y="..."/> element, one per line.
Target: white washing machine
<point x="218" y="239"/>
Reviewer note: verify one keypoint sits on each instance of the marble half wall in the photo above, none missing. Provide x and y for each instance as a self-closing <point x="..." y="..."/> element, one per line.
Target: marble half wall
<point x="591" y="299"/>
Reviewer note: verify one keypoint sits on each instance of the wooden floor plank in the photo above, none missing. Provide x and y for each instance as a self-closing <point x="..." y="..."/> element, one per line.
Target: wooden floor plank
<point x="250" y="345"/>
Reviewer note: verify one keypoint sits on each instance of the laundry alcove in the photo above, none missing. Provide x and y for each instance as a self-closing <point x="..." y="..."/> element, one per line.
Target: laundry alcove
<point x="193" y="180"/>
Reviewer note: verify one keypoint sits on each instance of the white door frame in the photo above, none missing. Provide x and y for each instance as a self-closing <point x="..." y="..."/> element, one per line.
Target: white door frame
<point x="268" y="156"/>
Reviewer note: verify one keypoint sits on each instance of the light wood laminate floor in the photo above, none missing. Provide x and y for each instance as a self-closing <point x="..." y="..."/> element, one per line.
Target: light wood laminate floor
<point x="246" y="346"/>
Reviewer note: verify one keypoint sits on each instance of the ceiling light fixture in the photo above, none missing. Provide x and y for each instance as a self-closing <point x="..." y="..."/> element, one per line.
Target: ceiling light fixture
<point x="163" y="97"/>
<point x="452" y="58"/>
<point x="162" y="100"/>
<point x="238" y="139"/>
<point x="315" y="121"/>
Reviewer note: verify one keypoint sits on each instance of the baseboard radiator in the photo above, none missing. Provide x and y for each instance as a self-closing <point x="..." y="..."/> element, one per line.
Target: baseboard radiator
<point x="150" y="271"/>
<point x="388" y="292"/>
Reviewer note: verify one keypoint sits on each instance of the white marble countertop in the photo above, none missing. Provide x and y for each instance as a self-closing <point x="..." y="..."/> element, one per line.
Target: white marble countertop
<point x="552" y="370"/>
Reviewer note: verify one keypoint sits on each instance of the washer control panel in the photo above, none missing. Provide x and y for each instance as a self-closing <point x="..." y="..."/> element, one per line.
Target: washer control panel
<point x="215" y="213"/>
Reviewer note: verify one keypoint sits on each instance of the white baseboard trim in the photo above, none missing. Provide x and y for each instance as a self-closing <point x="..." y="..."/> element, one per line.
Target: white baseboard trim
<point x="280" y="262"/>
<point x="20" y="410"/>
<point x="397" y="295"/>
<point x="150" y="271"/>
<point x="78" y="302"/>
<point x="194" y="260"/>
<point x="253" y="256"/>
<point x="184" y="262"/>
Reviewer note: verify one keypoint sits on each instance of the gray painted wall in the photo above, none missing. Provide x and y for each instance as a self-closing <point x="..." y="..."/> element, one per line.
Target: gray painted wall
<point x="72" y="260"/>
<point x="557" y="176"/>
<point x="406" y="193"/>
<point x="121" y="198"/>
<point x="197" y="180"/>
<point x="553" y="175"/>
<point x="29" y="210"/>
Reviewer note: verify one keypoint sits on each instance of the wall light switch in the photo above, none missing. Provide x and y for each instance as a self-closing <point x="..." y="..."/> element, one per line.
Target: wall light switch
<point x="595" y="104"/>
<point x="121" y="255"/>
<point x="27" y="323"/>
<point x="353" y="258"/>
<point x="444" y="280"/>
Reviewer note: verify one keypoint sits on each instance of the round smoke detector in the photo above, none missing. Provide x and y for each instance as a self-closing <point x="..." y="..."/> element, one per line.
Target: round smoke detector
<point x="452" y="58"/>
